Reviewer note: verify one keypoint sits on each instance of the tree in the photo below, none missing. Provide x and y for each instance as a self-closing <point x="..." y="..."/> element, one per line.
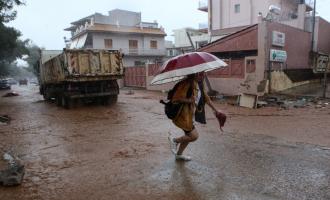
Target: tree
<point x="33" y="58"/>
<point x="6" y="10"/>
<point x="11" y="47"/>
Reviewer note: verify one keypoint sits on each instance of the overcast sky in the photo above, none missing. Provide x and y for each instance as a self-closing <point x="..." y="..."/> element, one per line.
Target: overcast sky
<point x="43" y="21"/>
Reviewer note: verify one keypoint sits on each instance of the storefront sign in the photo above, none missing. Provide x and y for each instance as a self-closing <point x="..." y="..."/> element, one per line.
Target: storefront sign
<point x="322" y="63"/>
<point x="278" y="55"/>
<point x="278" y="39"/>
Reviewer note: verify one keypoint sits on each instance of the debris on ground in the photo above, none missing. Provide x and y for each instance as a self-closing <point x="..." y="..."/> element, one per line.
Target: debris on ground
<point x="321" y="105"/>
<point x="247" y="100"/>
<point x="5" y="119"/>
<point x="11" y="94"/>
<point x="130" y="92"/>
<point x="11" y="171"/>
<point x="300" y="103"/>
<point x="261" y="104"/>
<point x="218" y="97"/>
<point x="289" y="102"/>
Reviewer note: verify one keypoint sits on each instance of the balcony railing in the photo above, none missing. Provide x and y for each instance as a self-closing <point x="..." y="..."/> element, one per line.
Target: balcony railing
<point x="142" y="52"/>
<point x="203" y="5"/>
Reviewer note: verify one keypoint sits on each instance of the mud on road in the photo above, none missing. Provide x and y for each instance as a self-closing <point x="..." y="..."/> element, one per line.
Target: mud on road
<point x="121" y="152"/>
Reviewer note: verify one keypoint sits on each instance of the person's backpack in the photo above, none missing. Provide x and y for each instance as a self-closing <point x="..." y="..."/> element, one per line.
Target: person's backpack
<point x="173" y="109"/>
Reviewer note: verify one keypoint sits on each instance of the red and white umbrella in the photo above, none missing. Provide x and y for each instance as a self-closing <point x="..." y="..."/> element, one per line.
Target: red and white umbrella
<point x="179" y="67"/>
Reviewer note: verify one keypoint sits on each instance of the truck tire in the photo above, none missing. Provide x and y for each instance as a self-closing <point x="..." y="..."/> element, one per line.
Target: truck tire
<point x="58" y="100"/>
<point x="66" y="102"/>
<point x="46" y="94"/>
<point x="41" y="90"/>
<point x="110" y="100"/>
<point x="113" y="99"/>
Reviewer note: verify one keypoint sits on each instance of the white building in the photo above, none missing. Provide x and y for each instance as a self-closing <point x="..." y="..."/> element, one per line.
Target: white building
<point x="198" y="37"/>
<point x="140" y="42"/>
<point x="228" y="16"/>
<point x="182" y="43"/>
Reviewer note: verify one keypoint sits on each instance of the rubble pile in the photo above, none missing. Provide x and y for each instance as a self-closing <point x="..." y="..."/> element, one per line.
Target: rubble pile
<point x="293" y="102"/>
<point x="5" y="119"/>
<point x="11" y="94"/>
<point x="11" y="170"/>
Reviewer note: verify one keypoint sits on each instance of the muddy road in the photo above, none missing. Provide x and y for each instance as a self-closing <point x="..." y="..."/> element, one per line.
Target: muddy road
<point x="121" y="152"/>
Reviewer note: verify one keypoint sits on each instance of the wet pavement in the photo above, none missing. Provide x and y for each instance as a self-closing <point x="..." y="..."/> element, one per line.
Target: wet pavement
<point x="121" y="152"/>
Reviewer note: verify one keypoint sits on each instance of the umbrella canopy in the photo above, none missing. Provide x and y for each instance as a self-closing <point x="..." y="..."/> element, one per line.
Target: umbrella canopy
<point x="179" y="67"/>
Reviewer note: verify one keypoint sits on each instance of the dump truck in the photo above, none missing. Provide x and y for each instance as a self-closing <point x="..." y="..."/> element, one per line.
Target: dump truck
<point x="71" y="75"/>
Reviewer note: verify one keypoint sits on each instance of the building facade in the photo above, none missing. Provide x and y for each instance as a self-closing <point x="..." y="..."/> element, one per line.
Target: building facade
<point x="229" y="16"/>
<point x="262" y="49"/>
<point x="267" y="57"/>
<point x="140" y="42"/>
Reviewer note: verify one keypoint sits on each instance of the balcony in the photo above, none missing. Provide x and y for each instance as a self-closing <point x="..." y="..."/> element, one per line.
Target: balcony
<point x="203" y="5"/>
<point x="143" y="52"/>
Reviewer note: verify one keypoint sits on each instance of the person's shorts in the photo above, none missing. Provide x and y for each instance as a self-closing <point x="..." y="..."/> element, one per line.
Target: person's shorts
<point x="188" y="132"/>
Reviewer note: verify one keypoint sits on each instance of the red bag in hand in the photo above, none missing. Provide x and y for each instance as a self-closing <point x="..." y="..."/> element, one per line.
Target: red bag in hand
<point x="221" y="118"/>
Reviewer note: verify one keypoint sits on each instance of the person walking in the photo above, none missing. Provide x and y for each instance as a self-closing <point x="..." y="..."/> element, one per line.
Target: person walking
<point x="191" y="94"/>
<point x="189" y="69"/>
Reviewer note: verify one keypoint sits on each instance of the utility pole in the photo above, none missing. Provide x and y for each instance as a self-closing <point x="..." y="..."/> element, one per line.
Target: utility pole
<point x="313" y="43"/>
<point x="325" y="84"/>
<point x="324" y="95"/>
<point x="313" y="29"/>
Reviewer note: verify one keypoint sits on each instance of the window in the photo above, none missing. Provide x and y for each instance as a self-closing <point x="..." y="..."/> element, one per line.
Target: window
<point x="139" y="63"/>
<point x="153" y="44"/>
<point x="237" y="8"/>
<point x="170" y="52"/>
<point x="133" y="44"/>
<point x="108" y="43"/>
<point x="250" y="65"/>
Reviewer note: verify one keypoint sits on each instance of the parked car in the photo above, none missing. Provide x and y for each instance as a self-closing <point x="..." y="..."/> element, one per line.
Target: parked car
<point x="12" y="81"/>
<point x="23" y="82"/>
<point x="34" y="81"/>
<point x="4" y="85"/>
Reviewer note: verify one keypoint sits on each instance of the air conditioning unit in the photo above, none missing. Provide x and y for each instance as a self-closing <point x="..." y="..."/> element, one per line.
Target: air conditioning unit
<point x="274" y="10"/>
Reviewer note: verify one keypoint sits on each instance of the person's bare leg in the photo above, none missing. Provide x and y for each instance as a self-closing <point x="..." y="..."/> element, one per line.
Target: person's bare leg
<point x="182" y="147"/>
<point x="185" y="140"/>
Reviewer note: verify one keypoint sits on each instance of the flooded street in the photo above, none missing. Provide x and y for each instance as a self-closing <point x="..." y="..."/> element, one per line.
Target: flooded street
<point x="99" y="152"/>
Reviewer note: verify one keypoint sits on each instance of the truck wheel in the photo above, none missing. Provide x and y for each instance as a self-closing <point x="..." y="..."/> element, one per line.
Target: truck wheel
<point x="110" y="100"/>
<point x="104" y="100"/>
<point x="66" y="102"/>
<point x="41" y="90"/>
<point x="46" y="95"/>
<point x="58" y="100"/>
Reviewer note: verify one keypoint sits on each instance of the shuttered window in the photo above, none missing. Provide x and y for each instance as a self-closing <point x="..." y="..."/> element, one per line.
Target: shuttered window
<point x="153" y="44"/>
<point x="108" y="43"/>
<point x="133" y="44"/>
